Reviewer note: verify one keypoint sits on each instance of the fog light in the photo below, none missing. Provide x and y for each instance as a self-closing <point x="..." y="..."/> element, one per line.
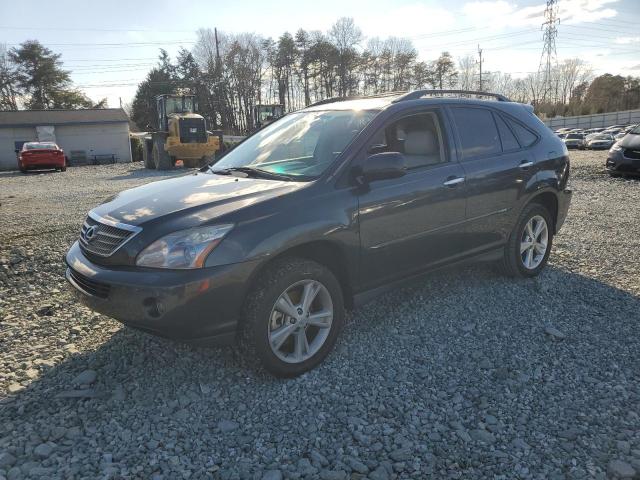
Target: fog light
<point x="153" y="307"/>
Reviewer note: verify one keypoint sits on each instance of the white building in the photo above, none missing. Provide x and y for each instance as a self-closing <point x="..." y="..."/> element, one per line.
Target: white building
<point x="86" y="136"/>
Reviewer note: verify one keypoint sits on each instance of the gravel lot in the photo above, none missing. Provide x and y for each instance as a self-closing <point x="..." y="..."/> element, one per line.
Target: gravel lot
<point x="463" y="375"/>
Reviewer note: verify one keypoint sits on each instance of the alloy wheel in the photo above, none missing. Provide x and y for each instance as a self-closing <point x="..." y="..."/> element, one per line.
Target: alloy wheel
<point x="300" y="321"/>
<point x="534" y="242"/>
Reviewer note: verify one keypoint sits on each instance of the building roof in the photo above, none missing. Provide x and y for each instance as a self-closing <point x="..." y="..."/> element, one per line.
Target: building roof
<point x="32" y="118"/>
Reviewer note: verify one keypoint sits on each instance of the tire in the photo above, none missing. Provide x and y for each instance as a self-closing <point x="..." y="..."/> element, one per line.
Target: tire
<point x="530" y="262"/>
<point x="161" y="159"/>
<point x="147" y="155"/>
<point x="261" y="318"/>
<point x="23" y="170"/>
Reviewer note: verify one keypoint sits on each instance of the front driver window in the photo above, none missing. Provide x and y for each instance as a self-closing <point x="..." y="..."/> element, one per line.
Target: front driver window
<point x="417" y="137"/>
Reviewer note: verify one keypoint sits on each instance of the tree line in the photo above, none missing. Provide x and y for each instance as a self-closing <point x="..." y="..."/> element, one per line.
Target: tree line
<point x="230" y="73"/>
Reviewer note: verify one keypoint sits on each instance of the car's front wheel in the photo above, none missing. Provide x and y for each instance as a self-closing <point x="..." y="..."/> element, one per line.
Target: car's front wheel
<point x="529" y="245"/>
<point x="293" y="316"/>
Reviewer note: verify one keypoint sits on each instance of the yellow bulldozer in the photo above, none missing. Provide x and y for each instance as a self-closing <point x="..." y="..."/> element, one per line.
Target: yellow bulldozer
<point x="181" y="135"/>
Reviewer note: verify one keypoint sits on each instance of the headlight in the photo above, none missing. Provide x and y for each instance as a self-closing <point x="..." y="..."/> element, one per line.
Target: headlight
<point x="615" y="148"/>
<point x="183" y="249"/>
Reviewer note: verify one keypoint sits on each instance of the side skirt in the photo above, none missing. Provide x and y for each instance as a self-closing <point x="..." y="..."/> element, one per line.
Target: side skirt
<point x="366" y="296"/>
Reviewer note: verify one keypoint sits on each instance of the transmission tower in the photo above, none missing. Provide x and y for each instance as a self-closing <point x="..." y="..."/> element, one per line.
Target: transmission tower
<point x="549" y="58"/>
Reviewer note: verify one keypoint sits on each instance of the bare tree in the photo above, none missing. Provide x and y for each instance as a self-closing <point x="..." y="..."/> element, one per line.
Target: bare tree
<point x="467" y="73"/>
<point x="346" y="36"/>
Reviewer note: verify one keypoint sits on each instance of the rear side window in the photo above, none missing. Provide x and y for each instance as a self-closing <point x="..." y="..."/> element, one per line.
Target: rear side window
<point x="509" y="141"/>
<point x="477" y="131"/>
<point x="525" y="136"/>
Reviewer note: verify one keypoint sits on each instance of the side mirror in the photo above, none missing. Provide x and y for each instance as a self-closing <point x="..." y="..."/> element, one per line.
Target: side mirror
<point x="17" y="151"/>
<point x="381" y="166"/>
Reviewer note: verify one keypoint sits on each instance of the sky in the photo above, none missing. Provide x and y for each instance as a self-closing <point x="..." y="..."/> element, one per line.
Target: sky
<point x="109" y="46"/>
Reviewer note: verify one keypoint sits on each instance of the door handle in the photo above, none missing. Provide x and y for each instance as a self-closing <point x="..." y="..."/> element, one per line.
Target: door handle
<point x="452" y="182"/>
<point x="525" y="164"/>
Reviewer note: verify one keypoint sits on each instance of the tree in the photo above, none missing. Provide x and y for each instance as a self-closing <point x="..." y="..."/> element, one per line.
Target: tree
<point x="468" y="76"/>
<point x="8" y="83"/>
<point x="159" y="81"/>
<point x="345" y="36"/>
<point x="444" y="71"/>
<point x="41" y="80"/>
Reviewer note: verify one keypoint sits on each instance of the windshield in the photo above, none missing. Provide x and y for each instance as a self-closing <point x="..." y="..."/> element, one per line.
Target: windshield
<point x="574" y="135"/>
<point x="636" y="130"/>
<point x="175" y="105"/>
<point x="299" y="145"/>
<point x="602" y="137"/>
<point x="40" y="146"/>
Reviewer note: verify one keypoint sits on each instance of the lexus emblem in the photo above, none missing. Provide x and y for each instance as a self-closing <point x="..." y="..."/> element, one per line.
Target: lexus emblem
<point x="90" y="233"/>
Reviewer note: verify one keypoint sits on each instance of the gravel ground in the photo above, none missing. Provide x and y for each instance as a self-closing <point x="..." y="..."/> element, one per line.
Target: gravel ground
<point x="463" y="375"/>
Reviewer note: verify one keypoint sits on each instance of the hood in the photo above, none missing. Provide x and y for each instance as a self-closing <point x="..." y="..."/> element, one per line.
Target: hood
<point x="201" y="195"/>
<point x="630" y="140"/>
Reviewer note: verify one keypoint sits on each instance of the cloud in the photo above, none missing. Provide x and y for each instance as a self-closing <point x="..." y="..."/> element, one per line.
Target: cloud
<point x="502" y="13"/>
<point x="627" y="40"/>
<point x="406" y="21"/>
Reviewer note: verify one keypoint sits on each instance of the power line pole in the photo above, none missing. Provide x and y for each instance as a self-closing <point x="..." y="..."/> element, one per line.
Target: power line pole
<point x="480" y="63"/>
<point x="549" y="57"/>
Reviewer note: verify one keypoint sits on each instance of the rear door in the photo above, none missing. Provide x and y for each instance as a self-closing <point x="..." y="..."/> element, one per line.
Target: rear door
<point x="497" y="169"/>
<point x="414" y="221"/>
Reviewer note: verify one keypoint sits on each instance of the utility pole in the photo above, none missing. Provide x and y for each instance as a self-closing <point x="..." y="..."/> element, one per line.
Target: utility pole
<point x="549" y="58"/>
<point x="218" y="80"/>
<point x="480" y="63"/>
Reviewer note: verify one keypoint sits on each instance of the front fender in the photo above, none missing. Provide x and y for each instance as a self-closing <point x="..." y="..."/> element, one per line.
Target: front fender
<point x="330" y="216"/>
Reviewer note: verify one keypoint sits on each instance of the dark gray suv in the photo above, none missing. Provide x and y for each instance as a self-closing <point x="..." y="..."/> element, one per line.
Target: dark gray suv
<point x="320" y="211"/>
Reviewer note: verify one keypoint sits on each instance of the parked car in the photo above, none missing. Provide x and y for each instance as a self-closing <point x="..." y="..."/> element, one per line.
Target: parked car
<point x="593" y="130"/>
<point x="41" y="155"/>
<point x="600" y="141"/>
<point x="614" y="127"/>
<point x="574" y="140"/>
<point x="624" y="155"/>
<point x="321" y="210"/>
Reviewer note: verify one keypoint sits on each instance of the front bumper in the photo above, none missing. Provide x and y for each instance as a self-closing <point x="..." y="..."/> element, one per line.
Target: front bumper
<point x="618" y="163"/>
<point x="192" y="150"/>
<point x="197" y="306"/>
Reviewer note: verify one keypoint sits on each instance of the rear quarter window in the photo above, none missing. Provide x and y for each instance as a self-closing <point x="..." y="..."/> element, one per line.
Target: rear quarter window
<point x="509" y="141"/>
<point x="525" y="135"/>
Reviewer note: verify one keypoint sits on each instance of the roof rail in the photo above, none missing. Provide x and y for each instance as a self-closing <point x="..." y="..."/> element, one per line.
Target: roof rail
<point x="360" y="97"/>
<point x="423" y="93"/>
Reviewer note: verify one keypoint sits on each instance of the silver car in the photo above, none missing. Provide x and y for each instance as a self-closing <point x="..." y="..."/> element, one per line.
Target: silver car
<point x="600" y="142"/>
<point x="574" y="140"/>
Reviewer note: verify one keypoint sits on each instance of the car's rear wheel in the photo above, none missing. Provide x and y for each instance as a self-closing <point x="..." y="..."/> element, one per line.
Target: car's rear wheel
<point x="529" y="245"/>
<point x="293" y="317"/>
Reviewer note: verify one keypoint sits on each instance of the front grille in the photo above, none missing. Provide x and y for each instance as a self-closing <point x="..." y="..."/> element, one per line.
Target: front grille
<point x="104" y="239"/>
<point x="97" y="289"/>
<point x="192" y="130"/>
<point x="629" y="153"/>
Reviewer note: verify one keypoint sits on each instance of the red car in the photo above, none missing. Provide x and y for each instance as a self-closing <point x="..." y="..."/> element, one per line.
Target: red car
<point x="36" y="155"/>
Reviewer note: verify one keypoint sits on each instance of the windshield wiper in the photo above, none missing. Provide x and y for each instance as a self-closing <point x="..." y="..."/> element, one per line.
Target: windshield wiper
<point x="253" y="172"/>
